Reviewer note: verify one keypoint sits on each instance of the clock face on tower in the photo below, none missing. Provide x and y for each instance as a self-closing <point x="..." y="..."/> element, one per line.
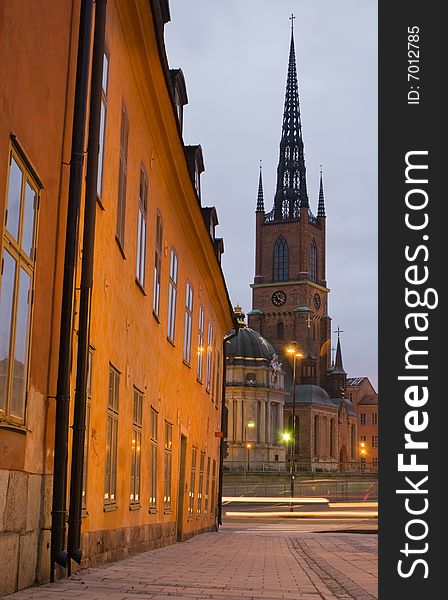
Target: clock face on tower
<point x="278" y="298"/>
<point x="316" y="300"/>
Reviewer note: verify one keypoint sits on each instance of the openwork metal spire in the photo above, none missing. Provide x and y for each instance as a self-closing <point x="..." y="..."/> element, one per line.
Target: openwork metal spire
<point x="260" y="199"/>
<point x="338" y="366"/>
<point x="291" y="192"/>
<point x="321" y="207"/>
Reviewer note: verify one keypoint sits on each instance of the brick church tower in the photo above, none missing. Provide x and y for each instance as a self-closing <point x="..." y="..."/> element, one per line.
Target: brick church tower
<point x="290" y="293"/>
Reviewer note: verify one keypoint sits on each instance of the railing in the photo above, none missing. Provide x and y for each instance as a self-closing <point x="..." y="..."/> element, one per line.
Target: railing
<point x="301" y="467"/>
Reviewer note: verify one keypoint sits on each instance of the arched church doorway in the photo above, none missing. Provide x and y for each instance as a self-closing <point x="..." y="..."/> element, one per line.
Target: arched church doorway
<point x="343" y="459"/>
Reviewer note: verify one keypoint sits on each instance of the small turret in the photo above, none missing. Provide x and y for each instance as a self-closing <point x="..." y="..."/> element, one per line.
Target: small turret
<point x="321" y="206"/>
<point x="260" y="199"/>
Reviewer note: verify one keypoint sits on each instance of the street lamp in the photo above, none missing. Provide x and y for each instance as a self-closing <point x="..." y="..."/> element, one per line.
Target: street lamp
<point x="363" y="452"/>
<point x="250" y="425"/>
<point x="294" y="351"/>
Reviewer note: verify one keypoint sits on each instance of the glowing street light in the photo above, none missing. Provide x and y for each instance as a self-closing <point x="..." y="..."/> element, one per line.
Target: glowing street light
<point x="249" y="425"/>
<point x="363" y="453"/>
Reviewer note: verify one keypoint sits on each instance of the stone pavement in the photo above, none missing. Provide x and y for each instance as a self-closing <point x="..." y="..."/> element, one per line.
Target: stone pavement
<point x="234" y="564"/>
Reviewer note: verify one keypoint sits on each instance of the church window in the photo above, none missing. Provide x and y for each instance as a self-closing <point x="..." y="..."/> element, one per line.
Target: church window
<point x="316" y="435"/>
<point x="172" y="295"/>
<point x="353" y="442"/>
<point x="313" y="261"/>
<point x="188" y="322"/>
<point x="281" y="330"/>
<point x="285" y="209"/>
<point x="332" y="439"/>
<point x="157" y="265"/>
<point x="281" y="260"/>
<point x="141" y="227"/>
<point x="16" y="281"/>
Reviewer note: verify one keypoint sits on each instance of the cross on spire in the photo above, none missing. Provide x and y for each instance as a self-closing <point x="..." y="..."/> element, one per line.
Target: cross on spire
<point x="292" y="19"/>
<point x="338" y="331"/>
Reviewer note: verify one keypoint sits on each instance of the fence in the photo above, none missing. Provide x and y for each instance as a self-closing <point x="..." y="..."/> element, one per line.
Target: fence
<point x="301" y="466"/>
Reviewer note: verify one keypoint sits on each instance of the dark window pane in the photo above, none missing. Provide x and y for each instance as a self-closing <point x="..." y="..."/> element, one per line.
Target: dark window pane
<point x="13" y="206"/>
<point x="21" y="347"/>
<point x="28" y="220"/>
<point x="6" y="297"/>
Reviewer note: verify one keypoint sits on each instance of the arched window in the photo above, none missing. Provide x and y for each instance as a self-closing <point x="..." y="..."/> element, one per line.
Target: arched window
<point x="281" y="330"/>
<point x="281" y="260"/>
<point x="313" y="261"/>
<point x="250" y="379"/>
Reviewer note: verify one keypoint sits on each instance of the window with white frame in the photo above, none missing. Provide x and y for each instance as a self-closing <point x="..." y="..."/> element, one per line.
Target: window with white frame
<point x="168" y="466"/>
<point x="208" y="372"/>
<point x="136" y="448"/>
<point x="122" y="176"/>
<point x="188" y="322"/>
<point x="141" y="227"/>
<point x="153" y="462"/>
<point x="110" y="480"/>
<point x="200" y="484"/>
<point x="172" y="295"/>
<point x="200" y="344"/>
<point x="16" y="287"/>
<point x="157" y="265"/>
<point x="102" y="136"/>
<point x="192" y="483"/>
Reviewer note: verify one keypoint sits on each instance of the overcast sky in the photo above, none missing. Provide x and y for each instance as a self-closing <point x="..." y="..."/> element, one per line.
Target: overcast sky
<point x="234" y="55"/>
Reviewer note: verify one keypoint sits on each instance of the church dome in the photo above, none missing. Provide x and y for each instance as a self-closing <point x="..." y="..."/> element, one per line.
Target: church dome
<point x="249" y="347"/>
<point x="311" y="394"/>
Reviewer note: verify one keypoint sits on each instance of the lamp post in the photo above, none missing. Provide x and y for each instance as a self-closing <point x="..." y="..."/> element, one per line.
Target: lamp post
<point x="250" y="425"/>
<point x="363" y="453"/>
<point x="294" y="351"/>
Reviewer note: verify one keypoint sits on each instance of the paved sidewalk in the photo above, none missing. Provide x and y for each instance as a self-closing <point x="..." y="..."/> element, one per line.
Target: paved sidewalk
<point x="233" y="565"/>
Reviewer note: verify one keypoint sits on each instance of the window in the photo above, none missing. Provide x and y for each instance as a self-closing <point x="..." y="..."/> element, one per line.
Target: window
<point x="250" y="379"/>
<point x="87" y="432"/>
<point x="122" y="176"/>
<point x="200" y="343"/>
<point x="374" y="441"/>
<point x="353" y="442"/>
<point x="200" y="483"/>
<point x="192" y="483"/>
<point x="141" y="227"/>
<point x="168" y="466"/>
<point x="362" y="438"/>
<point x="153" y="462"/>
<point x="208" y="373"/>
<point x="188" y="322"/>
<point x="316" y="435"/>
<point x="280" y="330"/>
<point x="99" y="183"/>
<point x="207" y="487"/>
<point x="136" y="448"/>
<point x="16" y="284"/>
<point x="313" y="261"/>
<point x="157" y="265"/>
<point x="332" y="439"/>
<point x="374" y="462"/>
<point x="362" y="418"/>
<point x="110" y="481"/>
<point x="172" y="294"/>
<point x="281" y="260"/>
<point x="374" y="418"/>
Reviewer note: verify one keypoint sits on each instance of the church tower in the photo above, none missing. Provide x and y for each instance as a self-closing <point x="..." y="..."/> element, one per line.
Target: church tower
<point x="289" y="299"/>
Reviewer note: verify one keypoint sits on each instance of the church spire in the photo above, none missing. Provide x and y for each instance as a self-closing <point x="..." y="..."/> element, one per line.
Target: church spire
<point x="291" y="192"/>
<point x="321" y="207"/>
<point x="338" y="366"/>
<point x="260" y="199"/>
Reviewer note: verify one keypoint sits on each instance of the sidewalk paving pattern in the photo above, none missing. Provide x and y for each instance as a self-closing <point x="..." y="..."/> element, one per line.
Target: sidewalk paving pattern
<point x="233" y="565"/>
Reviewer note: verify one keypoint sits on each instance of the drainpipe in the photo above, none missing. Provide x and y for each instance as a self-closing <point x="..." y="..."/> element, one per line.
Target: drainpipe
<point x="224" y="414"/>
<point x="58" y="553"/>
<point x="74" y="549"/>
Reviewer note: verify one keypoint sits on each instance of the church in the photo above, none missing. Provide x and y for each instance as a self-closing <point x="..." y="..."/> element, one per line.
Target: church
<point x="289" y="304"/>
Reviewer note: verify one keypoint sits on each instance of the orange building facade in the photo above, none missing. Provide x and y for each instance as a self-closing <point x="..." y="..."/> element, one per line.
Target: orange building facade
<point x="159" y="306"/>
<point x="365" y="400"/>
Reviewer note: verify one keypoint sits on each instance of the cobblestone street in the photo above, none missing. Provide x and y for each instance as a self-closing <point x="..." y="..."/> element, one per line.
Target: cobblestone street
<point x="253" y="564"/>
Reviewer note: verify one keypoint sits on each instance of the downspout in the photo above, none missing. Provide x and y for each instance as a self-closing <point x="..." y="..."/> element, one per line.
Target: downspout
<point x="58" y="553"/>
<point x="74" y="549"/>
<point x="224" y="414"/>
